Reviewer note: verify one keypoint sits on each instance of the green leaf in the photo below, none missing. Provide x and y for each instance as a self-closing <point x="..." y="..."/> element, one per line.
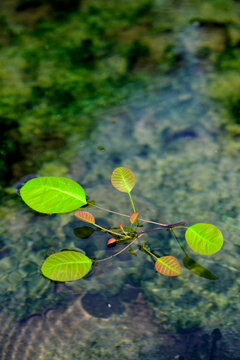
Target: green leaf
<point x="168" y="266"/>
<point x="205" y="239"/>
<point x="123" y="179"/>
<point x="85" y="216"/>
<point x="198" y="269"/>
<point x="66" y="266"/>
<point x="53" y="195"/>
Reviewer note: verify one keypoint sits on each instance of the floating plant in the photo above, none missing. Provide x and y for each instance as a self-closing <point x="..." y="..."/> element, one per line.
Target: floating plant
<point x="60" y="195"/>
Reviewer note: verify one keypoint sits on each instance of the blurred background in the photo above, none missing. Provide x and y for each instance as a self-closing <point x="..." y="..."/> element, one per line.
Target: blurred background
<point x="87" y="86"/>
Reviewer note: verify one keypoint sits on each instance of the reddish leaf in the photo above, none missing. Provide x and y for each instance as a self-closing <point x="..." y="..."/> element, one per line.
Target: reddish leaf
<point x="134" y="217"/>
<point x="168" y="266"/>
<point x="111" y="241"/>
<point x="121" y="227"/>
<point x="85" y="216"/>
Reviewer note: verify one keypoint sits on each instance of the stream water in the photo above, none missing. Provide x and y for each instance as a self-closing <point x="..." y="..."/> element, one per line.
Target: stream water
<point x="187" y="169"/>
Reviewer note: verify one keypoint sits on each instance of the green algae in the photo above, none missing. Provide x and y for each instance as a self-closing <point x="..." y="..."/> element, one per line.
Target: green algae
<point x="60" y="72"/>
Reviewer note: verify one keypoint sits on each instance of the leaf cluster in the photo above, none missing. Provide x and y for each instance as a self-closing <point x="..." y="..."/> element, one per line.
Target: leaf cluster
<point x="62" y="195"/>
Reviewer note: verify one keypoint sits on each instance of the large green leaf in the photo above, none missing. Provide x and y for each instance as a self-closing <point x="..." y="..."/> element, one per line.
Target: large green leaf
<point x="66" y="266"/>
<point x="123" y="179"/>
<point x="205" y="239"/>
<point x="52" y="194"/>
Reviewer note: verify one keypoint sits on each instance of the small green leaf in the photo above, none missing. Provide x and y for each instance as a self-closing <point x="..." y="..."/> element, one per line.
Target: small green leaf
<point x="53" y="195"/>
<point x="85" y="216"/>
<point x="66" y="266"/>
<point x="123" y="179"/>
<point x="168" y="266"/>
<point x="205" y="239"/>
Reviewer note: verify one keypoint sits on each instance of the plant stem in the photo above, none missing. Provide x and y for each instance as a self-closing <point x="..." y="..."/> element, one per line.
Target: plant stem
<point x="146" y="221"/>
<point x="167" y="226"/>
<point x="149" y="230"/>
<point x="178" y="241"/>
<point x="126" y="247"/>
<point x="178" y="227"/>
<point x="119" y="252"/>
<point x="111" y="211"/>
<point x="140" y="235"/>
<point x="110" y="231"/>
<point x="149" y="252"/>
<point x="132" y="202"/>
